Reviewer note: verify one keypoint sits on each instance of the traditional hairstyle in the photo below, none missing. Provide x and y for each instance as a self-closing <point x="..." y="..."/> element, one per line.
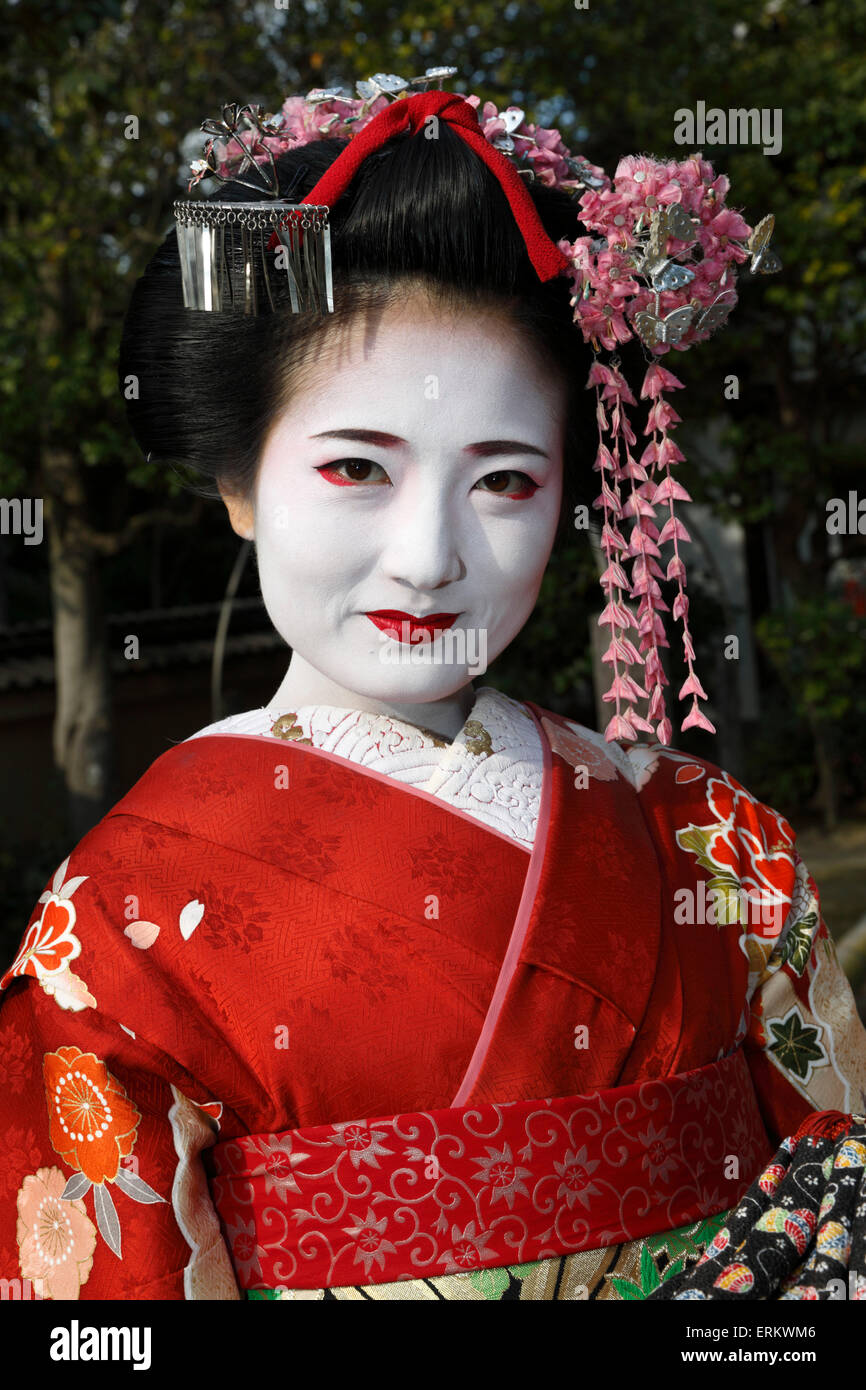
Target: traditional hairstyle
<point x="419" y="212"/>
<point x="411" y="210"/>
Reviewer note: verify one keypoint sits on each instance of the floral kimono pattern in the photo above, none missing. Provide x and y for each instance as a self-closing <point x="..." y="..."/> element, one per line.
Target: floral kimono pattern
<point x="268" y="933"/>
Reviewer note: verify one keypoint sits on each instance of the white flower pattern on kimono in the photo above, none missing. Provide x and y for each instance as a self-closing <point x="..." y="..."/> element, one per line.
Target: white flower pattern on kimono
<point x="576" y="1173"/>
<point x="696" y="1086"/>
<point x="245" y="1249"/>
<point x="709" y="1201"/>
<point x="658" y="1159"/>
<point x="50" y="943"/>
<point x="498" y="1170"/>
<point x="361" y="1144"/>
<point x="467" y="1249"/>
<point x="279" y="1162"/>
<point x="755" y="851"/>
<point x="368" y="1235"/>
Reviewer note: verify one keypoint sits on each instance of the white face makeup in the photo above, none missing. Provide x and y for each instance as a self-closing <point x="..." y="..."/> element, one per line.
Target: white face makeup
<point x="419" y="472"/>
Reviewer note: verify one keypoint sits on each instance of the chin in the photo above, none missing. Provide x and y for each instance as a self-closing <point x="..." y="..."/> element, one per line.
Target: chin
<point x="416" y="685"/>
<point x="405" y="684"/>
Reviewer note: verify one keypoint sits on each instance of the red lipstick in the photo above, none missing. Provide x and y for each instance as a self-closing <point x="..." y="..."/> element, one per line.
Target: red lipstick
<point x="406" y="627"/>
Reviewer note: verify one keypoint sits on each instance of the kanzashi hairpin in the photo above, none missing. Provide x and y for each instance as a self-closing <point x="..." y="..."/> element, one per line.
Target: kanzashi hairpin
<point x="223" y="245"/>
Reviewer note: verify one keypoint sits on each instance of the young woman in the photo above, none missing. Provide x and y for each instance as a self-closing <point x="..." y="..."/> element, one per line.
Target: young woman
<point x="396" y="986"/>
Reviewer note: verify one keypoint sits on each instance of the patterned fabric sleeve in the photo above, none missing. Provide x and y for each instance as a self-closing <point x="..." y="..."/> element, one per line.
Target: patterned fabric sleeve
<point x="799" y="1233"/>
<point x="103" y="1194"/>
<point x="804" y="1032"/>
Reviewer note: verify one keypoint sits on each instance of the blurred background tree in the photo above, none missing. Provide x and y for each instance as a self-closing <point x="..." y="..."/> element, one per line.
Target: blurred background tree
<point x="87" y="198"/>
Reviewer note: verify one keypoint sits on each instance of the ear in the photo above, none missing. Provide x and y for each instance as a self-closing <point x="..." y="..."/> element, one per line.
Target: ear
<point x="241" y="513"/>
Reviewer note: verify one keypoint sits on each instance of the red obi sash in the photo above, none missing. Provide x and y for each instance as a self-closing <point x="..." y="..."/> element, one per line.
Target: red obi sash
<point x="450" y="1191"/>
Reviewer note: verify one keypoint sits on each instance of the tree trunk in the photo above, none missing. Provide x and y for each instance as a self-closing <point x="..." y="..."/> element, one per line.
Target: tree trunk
<point x="83" y="732"/>
<point x="824" y="762"/>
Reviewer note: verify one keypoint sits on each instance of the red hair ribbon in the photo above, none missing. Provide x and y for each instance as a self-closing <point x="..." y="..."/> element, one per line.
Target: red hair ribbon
<point x="409" y="113"/>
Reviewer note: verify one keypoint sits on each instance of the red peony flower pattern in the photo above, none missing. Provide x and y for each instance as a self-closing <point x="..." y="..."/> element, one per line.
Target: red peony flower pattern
<point x="747" y="844"/>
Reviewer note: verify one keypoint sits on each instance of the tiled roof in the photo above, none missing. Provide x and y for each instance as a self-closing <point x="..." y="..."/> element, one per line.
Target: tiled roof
<point x="180" y="636"/>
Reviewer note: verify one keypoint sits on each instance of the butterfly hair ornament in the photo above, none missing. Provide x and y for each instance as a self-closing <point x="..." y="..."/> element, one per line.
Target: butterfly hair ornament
<point x="659" y="265"/>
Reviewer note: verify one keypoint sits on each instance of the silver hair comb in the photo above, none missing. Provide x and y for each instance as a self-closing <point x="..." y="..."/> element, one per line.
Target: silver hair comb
<point x="222" y="244"/>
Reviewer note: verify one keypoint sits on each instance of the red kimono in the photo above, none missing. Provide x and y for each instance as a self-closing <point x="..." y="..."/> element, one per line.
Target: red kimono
<point x="282" y="1023"/>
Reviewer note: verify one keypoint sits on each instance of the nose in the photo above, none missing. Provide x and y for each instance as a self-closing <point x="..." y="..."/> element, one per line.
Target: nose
<point x="421" y="546"/>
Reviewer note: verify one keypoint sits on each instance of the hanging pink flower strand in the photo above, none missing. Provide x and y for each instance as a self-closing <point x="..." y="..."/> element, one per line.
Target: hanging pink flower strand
<point x="661" y="269"/>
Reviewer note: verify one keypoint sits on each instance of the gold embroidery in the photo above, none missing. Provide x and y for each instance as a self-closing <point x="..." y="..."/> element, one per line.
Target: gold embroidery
<point x="438" y="741"/>
<point x="287" y="727"/>
<point x="477" y="738"/>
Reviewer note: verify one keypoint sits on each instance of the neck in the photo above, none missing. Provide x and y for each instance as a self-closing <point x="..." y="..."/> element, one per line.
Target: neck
<point x="304" y="685"/>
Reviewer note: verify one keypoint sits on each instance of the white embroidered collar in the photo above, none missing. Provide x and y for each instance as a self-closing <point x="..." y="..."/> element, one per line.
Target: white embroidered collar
<point x="492" y="770"/>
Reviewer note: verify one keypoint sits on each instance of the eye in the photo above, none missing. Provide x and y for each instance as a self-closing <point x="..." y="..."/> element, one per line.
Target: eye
<point x="357" y="472"/>
<point x="525" y="487"/>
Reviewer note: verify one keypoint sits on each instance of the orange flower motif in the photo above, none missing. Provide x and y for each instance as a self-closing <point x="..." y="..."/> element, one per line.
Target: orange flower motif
<point x="56" y="1237"/>
<point x="92" y="1121"/>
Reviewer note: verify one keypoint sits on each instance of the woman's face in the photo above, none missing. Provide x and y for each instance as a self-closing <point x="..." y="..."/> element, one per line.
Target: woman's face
<point x="418" y="471"/>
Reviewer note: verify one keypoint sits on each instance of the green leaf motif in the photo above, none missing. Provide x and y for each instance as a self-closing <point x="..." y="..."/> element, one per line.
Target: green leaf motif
<point x="675" y="1267"/>
<point x="671" y="1243"/>
<point x="796" y="1045"/>
<point x="649" y="1275"/>
<point x="727" y="907"/>
<point x="687" y="1240"/>
<point x="695" y="841"/>
<point x="626" y="1288"/>
<point x="798" y="943"/>
<point x="491" y="1283"/>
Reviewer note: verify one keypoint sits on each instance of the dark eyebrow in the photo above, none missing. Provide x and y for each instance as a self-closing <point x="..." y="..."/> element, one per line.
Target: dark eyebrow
<point x="487" y="448"/>
<point x="385" y="441"/>
<point x="499" y="447"/>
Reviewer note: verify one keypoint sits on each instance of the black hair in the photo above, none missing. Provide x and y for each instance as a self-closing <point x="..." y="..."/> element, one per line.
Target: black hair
<point x="419" y="212"/>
